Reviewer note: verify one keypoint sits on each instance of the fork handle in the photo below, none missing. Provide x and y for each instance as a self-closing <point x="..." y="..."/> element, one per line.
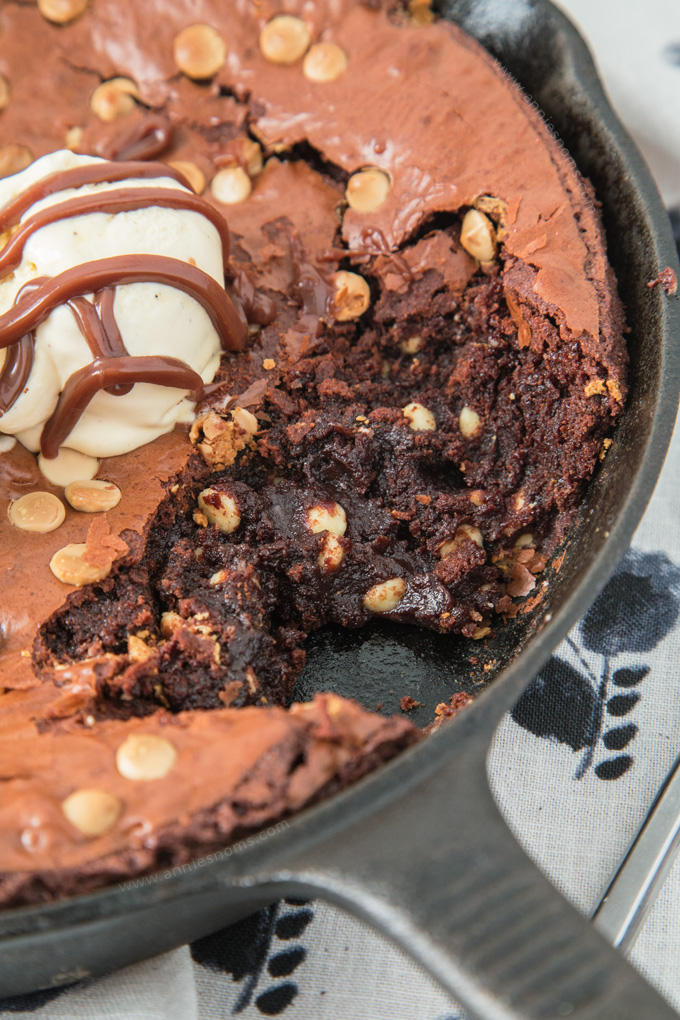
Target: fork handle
<point x="635" y="885"/>
<point x="481" y="917"/>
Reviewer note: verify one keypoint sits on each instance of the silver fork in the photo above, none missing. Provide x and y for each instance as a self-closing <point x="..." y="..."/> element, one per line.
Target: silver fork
<point x="637" y="881"/>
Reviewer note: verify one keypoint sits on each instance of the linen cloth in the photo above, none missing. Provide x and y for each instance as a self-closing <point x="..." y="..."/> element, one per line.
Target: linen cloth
<point x="574" y="767"/>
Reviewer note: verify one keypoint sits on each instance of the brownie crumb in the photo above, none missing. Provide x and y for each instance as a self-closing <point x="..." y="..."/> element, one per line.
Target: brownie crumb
<point x="668" y="279"/>
<point x="457" y="703"/>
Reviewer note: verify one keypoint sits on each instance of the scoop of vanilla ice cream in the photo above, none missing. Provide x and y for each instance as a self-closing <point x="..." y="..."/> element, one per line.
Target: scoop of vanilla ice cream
<point x="153" y="319"/>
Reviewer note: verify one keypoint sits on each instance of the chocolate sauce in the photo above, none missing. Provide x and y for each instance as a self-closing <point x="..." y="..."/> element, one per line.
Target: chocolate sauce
<point x="15" y="371"/>
<point x="114" y="342"/>
<point x="115" y="201"/>
<point x="122" y="269"/>
<point x="102" y="374"/>
<point x="29" y="288"/>
<point x="76" y="177"/>
<point x="112" y="368"/>
<point x="90" y="325"/>
<point x="19" y="358"/>
<point x="104" y="304"/>
<point x="146" y="139"/>
<point x="100" y="329"/>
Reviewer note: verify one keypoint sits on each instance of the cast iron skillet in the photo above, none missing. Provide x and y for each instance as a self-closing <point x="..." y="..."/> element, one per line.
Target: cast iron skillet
<point x="419" y="849"/>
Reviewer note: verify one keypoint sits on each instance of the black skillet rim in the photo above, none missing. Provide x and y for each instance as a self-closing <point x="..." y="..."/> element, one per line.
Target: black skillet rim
<point x="385" y="783"/>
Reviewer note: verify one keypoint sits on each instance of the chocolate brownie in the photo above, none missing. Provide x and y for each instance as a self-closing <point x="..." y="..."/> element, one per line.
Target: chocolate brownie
<point x="423" y="360"/>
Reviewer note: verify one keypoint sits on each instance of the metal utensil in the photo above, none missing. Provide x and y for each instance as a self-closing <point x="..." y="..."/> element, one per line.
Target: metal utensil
<point x="419" y="848"/>
<point x="637" y="881"/>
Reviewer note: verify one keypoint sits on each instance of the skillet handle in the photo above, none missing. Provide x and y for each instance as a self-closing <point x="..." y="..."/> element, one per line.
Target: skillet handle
<point x="480" y="916"/>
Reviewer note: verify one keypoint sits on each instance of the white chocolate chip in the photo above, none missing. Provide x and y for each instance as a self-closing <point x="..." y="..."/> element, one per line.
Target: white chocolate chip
<point x="68" y="466"/>
<point x="4" y="92"/>
<point x="332" y="554"/>
<point x="284" y="39"/>
<point x="245" y="152"/>
<point x="386" y="596"/>
<point x="469" y="422"/>
<point x="352" y="296"/>
<point x="526" y="541"/>
<point x="193" y="174"/>
<point x="74" y="138"/>
<point x="92" y="812"/>
<point x="474" y="534"/>
<point x="412" y="345"/>
<point x="447" y="547"/>
<point x="138" y="650"/>
<point x="40" y="512"/>
<point x="480" y="633"/>
<point x="246" y="420"/>
<point x="68" y="566"/>
<point x="144" y="756"/>
<point x="231" y="185"/>
<point x="329" y="517"/>
<point x="199" y="51"/>
<point x="14" y="158"/>
<point x="251" y="152"/>
<point x="420" y="419"/>
<point x="170" y="622"/>
<point x="92" y="495"/>
<point x="61" y="11"/>
<point x="113" y="99"/>
<point x="221" y="509"/>
<point x="324" y="62"/>
<point x="477" y="236"/>
<point x="464" y="531"/>
<point x="367" y="189"/>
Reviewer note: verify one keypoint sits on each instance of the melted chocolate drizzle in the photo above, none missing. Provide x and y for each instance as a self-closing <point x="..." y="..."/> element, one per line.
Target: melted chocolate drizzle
<point x="102" y="374"/>
<point x="100" y="329"/>
<point x="19" y="358"/>
<point x="30" y="311"/>
<point x="76" y="177"/>
<point x="15" y="371"/>
<point x="112" y="368"/>
<point x="146" y="139"/>
<point x="114" y="201"/>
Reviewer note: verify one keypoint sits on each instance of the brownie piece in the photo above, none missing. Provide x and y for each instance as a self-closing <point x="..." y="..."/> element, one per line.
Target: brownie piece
<point x="263" y="764"/>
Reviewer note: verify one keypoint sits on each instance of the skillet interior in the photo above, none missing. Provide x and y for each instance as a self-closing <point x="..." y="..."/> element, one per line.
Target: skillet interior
<point x="94" y="933"/>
